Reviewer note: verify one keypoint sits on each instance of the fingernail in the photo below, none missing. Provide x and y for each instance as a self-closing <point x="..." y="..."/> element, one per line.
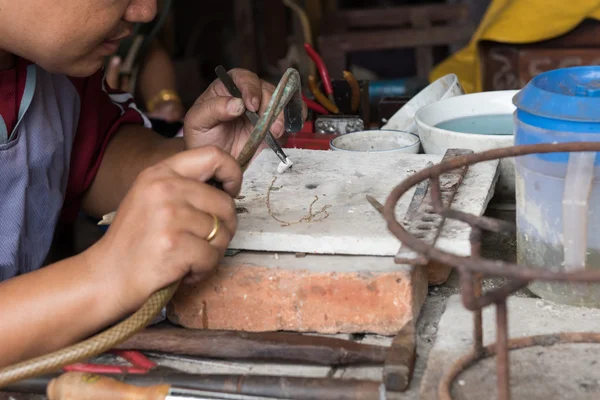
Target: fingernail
<point x="255" y="104"/>
<point x="116" y="61"/>
<point x="277" y="127"/>
<point x="235" y="106"/>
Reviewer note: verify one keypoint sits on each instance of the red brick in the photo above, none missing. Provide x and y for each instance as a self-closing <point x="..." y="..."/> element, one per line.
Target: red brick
<point x="325" y="294"/>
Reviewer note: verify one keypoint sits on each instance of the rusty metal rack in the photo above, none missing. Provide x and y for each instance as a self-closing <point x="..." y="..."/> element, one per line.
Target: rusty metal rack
<point x="473" y="269"/>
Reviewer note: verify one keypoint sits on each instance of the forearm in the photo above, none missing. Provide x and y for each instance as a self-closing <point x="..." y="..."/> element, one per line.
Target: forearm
<point x="133" y="149"/>
<point x="53" y="307"/>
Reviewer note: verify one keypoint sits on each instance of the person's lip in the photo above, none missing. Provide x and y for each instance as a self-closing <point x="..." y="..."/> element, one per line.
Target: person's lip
<point x="112" y="45"/>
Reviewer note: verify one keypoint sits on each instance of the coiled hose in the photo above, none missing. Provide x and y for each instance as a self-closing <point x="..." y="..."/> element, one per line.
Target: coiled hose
<point x="287" y="97"/>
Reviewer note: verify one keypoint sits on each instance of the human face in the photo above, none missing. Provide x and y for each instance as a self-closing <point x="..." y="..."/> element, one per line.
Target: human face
<point x="70" y="37"/>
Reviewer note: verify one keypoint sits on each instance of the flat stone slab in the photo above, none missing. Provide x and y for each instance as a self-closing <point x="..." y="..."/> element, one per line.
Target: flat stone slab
<point x="566" y="371"/>
<point x="335" y="184"/>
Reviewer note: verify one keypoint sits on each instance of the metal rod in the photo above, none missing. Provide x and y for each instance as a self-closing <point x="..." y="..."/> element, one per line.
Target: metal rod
<point x="477" y="319"/>
<point x="445" y="386"/>
<point x="502" y="358"/>
<point x="436" y="194"/>
<point x="475" y="240"/>
<point x="485" y="223"/>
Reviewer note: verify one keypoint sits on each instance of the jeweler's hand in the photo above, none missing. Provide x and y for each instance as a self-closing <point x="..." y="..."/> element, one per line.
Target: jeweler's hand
<point x="218" y="119"/>
<point x="159" y="234"/>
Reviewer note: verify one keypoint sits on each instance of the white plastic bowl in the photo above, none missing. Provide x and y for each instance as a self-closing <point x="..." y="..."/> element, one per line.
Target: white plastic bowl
<point x="437" y="141"/>
<point x="404" y="119"/>
<point x="377" y="141"/>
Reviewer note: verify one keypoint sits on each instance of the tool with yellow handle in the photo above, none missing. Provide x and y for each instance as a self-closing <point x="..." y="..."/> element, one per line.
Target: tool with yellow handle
<point x="82" y="385"/>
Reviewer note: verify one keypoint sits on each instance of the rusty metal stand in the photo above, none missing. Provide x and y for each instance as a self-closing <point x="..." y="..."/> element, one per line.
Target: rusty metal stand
<point x="473" y="268"/>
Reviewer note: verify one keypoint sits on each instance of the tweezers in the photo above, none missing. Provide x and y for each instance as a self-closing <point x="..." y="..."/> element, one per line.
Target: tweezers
<point x="252" y="116"/>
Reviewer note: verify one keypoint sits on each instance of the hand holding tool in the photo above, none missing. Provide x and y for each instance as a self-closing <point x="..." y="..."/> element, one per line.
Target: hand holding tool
<point x="81" y="385"/>
<point x="287" y="97"/>
<point x="253" y="117"/>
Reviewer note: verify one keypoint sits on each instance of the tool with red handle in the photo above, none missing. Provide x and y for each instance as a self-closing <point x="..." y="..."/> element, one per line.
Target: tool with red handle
<point x="313" y="105"/>
<point x="323" y="72"/>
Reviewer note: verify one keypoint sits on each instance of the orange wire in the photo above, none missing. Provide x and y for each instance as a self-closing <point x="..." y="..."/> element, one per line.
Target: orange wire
<point x="355" y="100"/>
<point x="320" y="97"/>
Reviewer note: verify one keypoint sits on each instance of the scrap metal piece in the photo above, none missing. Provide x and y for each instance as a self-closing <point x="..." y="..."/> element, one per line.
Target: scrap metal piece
<point x="425" y="224"/>
<point x="376" y="205"/>
<point x="417" y="198"/>
<point x="342" y="124"/>
<point x="400" y="363"/>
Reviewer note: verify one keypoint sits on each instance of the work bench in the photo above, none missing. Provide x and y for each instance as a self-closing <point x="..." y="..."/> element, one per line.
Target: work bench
<point x="493" y="246"/>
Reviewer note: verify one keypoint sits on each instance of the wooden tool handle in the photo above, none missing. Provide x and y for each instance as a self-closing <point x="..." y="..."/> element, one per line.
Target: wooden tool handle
<point x="85" y="386"/>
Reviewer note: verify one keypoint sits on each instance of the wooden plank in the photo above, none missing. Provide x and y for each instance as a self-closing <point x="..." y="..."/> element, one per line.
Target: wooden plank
<point x="424" y="54"/>
<point x="533" y="62"/>
<point x="396" y="38"/>
<point x="397" y="16"/>
<point x="499" y="66"/>
<point x="511" y="67"/>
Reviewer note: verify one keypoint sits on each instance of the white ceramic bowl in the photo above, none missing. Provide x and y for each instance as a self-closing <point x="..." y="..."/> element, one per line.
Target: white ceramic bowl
<point x="377" y="141"/>
<point x="404" y="119"/>
<point x="437" y="141"/>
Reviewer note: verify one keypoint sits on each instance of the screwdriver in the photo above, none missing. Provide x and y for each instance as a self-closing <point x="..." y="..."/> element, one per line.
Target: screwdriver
<point x="82" y="385"/>
<point x="254" y="117"/>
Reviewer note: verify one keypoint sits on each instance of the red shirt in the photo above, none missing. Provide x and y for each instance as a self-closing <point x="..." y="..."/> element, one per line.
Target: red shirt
<point x="103" y="112"/>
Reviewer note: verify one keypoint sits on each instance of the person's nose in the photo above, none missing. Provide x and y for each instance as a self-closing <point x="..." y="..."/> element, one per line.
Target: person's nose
<point x="140" y="11"/>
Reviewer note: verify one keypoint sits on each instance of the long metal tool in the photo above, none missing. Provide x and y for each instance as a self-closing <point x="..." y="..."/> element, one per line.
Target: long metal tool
<point x="252" y="116"/>
<point x="269" y="386"/>
<point x="273" y="346"/>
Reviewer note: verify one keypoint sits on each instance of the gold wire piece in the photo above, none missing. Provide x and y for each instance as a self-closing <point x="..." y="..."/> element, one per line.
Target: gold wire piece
<point x="215" y="230"/>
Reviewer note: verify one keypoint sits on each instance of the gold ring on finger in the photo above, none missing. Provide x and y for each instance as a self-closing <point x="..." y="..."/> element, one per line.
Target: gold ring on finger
<point x="215" y="230"/>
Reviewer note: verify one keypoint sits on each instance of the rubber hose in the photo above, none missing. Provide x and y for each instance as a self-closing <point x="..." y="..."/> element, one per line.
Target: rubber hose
<point x="287" y="97"/>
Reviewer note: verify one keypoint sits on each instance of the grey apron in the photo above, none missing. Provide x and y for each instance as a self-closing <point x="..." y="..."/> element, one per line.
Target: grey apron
<point x="34" y="168"/>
